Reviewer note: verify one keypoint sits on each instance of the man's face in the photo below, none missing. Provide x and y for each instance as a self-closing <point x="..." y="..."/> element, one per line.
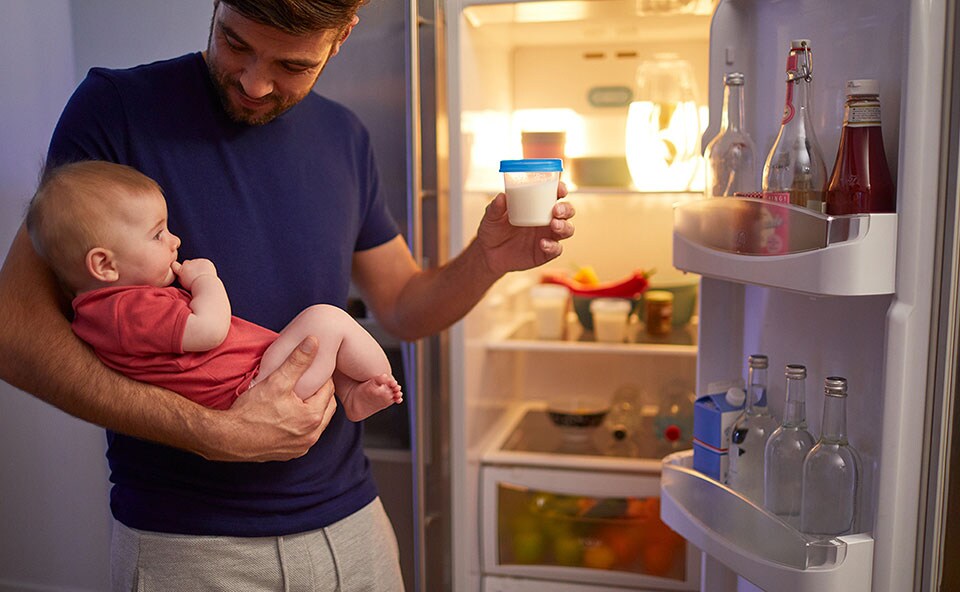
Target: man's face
<point x="260" y="71"/>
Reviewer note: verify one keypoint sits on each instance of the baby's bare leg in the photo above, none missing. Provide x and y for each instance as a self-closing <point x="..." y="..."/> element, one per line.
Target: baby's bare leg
<point x="347" y="353"/>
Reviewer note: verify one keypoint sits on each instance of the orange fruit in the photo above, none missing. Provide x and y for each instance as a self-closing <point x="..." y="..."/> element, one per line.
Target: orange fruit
<point x="659" y="558"/>
<point x="625" y="542"/>
<point x="599" y="556"/>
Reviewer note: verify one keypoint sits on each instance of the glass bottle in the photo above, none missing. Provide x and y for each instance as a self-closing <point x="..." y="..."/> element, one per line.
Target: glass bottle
<point x="794" y="171"/>
<point x="673" y="424"/>
<point x="787" y="447"/>
<point x="861" y="178"/>
<point x="750" y="434"/>
<point x="622" y="423"/>
<point x="831" y="471"/>
<point x="731" y="155"/>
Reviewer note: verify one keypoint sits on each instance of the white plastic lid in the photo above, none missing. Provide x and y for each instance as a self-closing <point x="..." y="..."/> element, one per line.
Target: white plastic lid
<point x="866" y="86"/>
<point x="735" y="396"/>
<point x="800" y="43"/>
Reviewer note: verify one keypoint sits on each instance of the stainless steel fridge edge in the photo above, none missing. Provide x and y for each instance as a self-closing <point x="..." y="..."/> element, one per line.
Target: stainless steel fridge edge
<point x="425" y="359"/>
<point x="941" y="482"/>
<point x="908" y="320"/>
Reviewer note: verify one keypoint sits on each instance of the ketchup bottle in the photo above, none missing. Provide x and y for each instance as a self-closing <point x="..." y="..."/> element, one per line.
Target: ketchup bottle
<point x="861" y="182"/>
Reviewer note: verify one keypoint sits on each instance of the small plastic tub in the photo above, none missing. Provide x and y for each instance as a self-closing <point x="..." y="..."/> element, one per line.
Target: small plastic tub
<point x="610" y="317"/>
<point x="531" y="188"/>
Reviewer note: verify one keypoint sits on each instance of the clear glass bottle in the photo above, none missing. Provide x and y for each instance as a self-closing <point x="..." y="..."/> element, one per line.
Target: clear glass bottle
<point x="673" y="424"/>
<point x="861" y="181"/>
<point x="750" y="434"/>
<point x="622" y="424"/>
<point x="787" y="447"/>
<point x="829" y="500"/>
<point x="730" y="156"/>
<point x="794" y="171"/>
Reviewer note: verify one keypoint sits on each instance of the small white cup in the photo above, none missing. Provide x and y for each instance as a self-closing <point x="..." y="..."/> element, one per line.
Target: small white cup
<point x="531" y="188"/>
<point x="610" y="317"/>
<point x="550" y="303"/>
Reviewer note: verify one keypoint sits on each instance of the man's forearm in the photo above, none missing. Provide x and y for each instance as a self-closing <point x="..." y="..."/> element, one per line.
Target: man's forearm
<point x="436" y="298"/>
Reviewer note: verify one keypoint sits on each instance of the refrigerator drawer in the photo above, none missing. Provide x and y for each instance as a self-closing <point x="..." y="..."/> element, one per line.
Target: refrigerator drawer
<point x="587" y="527"/>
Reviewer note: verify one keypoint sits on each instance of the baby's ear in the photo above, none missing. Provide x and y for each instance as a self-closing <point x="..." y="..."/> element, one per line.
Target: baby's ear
<point x="101" y="265"/>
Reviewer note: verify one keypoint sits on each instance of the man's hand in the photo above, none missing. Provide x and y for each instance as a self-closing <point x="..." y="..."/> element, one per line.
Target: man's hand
<point x="513" y="248"/>
<point x="270" y="422"/>
<point x="188" y="271"/>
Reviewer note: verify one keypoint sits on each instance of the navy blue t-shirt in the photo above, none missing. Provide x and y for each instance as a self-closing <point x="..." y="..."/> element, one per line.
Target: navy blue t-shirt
<point x="280" y="209"/>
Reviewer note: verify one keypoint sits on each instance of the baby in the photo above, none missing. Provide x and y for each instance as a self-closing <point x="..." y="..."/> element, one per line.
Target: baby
<point x="102" y="228"/>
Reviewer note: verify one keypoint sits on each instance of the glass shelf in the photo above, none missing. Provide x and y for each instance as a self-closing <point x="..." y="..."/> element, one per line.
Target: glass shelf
<point x="783" y="246"/>
<point x="521" y="337"/>
<point x="754" y="543"/>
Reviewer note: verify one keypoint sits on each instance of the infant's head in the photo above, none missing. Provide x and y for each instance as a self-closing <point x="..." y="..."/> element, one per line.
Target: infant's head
<point x="99" y="223"/>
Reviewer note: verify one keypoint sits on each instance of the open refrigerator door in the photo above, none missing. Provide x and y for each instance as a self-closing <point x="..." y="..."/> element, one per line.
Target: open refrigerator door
<point x="857" y="302"/>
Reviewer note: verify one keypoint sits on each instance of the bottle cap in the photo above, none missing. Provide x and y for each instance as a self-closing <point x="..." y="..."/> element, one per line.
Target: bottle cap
<point x="672" y="433"/>
<point x="733" y="78"/>
<point x="735" y="396"/>
<point x="865" y="86"/>
<point x="758" y="361"/>
<point x="800" y="44"/>
<point x="796" y="371"/>
<point x="835" y="386"/>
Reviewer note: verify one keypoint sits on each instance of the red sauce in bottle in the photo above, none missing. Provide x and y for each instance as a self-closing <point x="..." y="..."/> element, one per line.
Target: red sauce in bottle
<point x="861" y="181"/>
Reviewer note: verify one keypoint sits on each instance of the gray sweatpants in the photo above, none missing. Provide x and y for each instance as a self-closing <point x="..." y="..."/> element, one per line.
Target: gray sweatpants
<point x="358" y="553"/>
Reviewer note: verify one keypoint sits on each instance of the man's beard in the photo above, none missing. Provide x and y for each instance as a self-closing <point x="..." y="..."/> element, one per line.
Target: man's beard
<point x="240" y="114"/>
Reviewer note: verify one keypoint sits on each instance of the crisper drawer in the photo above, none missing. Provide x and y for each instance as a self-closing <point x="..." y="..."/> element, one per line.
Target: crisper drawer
<point x="590" y="527"/>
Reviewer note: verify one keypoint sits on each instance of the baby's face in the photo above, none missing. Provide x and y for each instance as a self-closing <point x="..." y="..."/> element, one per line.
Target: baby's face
<point x="144" y="247"/>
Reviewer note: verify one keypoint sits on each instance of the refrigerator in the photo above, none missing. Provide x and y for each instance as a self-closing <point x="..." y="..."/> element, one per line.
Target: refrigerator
<point x="874" y="303"/>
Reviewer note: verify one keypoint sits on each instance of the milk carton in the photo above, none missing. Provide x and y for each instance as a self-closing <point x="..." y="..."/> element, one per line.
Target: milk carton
<point x="713" y="419"/>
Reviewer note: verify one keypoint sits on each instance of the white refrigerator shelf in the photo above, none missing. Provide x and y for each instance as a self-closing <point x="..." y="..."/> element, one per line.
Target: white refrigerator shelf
<point x="783" y="246"/>
<point x="754" y="543"/>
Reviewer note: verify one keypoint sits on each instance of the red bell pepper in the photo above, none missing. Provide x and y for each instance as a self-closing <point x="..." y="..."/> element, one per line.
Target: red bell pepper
<point x="633" y="285"/>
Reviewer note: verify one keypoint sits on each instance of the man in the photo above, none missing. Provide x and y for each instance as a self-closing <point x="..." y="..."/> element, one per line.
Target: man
<point x="278" y="187"/>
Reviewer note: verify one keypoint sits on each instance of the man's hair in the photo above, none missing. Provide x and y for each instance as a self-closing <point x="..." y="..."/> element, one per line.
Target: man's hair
<point x="66" y="216"/>
<point x="298" y="17"/>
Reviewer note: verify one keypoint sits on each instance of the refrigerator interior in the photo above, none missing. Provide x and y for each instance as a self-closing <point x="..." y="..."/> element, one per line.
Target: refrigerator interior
<point x="531" y="66"/>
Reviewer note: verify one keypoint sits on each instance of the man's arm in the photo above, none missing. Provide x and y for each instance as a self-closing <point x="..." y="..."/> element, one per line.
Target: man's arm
<point x="40" y="354"/>
<point x="411" y="302"/>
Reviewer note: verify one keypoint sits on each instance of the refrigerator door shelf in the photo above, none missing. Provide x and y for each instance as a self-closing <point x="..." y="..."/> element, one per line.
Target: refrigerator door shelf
<point x="783" y="246"/>
<point x="754" y="543"/>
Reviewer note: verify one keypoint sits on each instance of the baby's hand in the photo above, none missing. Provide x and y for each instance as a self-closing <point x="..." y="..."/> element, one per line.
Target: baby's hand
<point x="191" y="269"/>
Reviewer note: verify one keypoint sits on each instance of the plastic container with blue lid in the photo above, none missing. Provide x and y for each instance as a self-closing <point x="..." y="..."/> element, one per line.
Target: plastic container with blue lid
<point x="531" y="188"/>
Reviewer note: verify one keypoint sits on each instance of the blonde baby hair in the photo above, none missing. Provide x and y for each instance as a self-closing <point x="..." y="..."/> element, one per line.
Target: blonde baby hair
<point x="67" y="214"/>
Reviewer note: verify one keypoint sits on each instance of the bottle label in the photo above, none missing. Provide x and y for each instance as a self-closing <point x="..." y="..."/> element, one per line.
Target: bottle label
<point x="862" y="114"/>
<point x="773" y="231"/>
<point x="777" y="196"/>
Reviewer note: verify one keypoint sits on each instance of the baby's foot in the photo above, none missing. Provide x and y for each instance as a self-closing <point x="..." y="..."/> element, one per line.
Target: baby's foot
<point x="370" y="396"/>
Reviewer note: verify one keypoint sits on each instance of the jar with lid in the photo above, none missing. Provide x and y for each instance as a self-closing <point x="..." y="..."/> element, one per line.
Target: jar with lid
<point x="861" y="181"/>
<point x="663" y="127"/>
